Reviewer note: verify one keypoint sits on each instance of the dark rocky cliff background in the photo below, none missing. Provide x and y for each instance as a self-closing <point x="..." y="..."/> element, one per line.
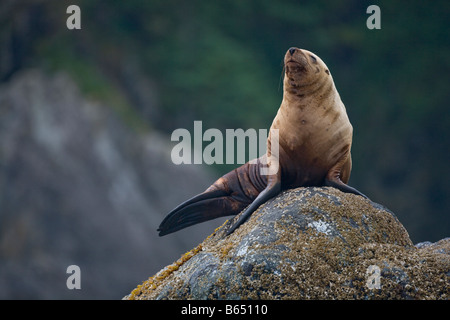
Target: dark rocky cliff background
<point x="79" y="187"/>
<point x="86" y="117"/>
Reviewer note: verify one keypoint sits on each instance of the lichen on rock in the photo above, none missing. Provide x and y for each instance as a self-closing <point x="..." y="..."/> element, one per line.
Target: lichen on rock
<point x="309" y="243"/>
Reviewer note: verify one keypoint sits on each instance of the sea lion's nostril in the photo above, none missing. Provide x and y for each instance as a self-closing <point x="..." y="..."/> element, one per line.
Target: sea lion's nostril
<point x="292" y="50"/>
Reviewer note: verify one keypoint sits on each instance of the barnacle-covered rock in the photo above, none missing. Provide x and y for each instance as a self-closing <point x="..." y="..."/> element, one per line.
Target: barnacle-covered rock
<point x="308" y="243"/>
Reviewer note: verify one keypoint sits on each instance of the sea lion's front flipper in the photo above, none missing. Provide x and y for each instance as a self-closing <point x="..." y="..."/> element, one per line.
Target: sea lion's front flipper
<point x="272" y="189"/>
<point x="205" y="206"/>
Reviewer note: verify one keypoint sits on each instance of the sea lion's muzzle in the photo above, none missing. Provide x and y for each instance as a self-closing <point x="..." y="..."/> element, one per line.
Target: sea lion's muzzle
<point x="295" y="55"/>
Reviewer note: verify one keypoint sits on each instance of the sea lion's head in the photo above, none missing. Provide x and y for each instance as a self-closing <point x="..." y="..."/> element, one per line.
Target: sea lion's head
<point x="303" y="68"/>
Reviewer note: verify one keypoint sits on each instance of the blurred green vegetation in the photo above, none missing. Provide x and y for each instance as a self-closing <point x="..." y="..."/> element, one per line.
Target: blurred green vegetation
<point x="221" y="62"/>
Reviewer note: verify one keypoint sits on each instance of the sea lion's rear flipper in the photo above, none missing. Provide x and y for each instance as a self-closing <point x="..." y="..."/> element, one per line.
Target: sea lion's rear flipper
<point x="340" y="173"/>
<point x="269" y="192"/>
<point x="338" y="184"/>
<point x="228" y="196"/>
<point x="203" y="207"/>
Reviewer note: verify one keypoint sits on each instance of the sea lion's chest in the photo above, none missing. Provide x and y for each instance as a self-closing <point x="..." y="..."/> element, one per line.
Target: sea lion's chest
<point x="312" y="138"/>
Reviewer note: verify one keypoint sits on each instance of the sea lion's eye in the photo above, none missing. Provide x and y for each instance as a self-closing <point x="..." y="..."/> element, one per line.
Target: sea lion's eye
<point x="313" y="59"/>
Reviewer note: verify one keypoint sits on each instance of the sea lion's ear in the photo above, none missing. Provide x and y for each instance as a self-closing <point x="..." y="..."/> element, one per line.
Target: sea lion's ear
<point x="327" y="71"/>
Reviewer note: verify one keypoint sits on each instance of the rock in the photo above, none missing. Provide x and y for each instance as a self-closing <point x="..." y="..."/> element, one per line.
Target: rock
<point x="308" y="243"/>
<point x="78" y="186"/>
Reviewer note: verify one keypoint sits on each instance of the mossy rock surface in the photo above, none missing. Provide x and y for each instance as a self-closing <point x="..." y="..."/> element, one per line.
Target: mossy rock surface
<point x="308" y="243"/>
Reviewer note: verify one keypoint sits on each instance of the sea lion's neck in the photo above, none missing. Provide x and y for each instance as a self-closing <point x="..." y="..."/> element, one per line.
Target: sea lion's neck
<point x="311" y="94"/>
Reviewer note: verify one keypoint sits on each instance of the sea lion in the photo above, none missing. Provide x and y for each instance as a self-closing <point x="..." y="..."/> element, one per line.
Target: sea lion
<point x="315" y="137"/>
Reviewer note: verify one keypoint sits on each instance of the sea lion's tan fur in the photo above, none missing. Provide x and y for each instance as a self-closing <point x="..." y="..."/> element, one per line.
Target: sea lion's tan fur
<point x="315" y="134"/>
